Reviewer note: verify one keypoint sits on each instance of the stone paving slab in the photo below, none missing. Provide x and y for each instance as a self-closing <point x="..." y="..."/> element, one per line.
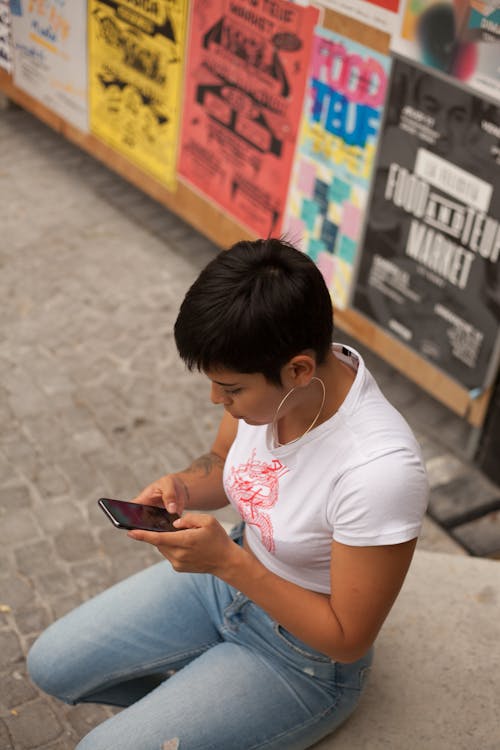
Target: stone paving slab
<point x="94" y="401"/>
<point x="435" y="679"/>
<point x="480" y="537"/>
<point x="463" y="499"/>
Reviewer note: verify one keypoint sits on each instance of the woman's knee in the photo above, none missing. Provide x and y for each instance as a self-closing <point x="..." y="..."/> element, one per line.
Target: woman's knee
<point x="48" y="665"/>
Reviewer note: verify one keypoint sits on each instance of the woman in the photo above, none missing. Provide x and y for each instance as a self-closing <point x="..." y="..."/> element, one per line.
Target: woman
<point x="264" y="642"/>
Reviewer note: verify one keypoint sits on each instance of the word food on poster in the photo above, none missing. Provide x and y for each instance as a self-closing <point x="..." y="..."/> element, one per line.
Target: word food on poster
<point x="430" y="266"/>
<point x="335" y="154"/>
<point x="244" y="88"/>
<point x="136" y="53"/>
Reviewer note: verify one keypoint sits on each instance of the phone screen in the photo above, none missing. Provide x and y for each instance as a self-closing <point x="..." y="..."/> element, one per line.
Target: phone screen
<point x="128" y="515"/>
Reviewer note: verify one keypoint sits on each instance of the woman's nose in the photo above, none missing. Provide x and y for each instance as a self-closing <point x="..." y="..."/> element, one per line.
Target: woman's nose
<point x="217" y="395"/>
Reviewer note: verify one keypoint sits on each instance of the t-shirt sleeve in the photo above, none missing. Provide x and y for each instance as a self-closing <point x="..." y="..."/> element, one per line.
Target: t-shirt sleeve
<point x="380" y="502"/>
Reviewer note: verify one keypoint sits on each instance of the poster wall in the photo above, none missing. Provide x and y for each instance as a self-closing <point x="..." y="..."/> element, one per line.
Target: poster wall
<point x="244" y="87"/>
<point x="458" y="37"/>
<point x="5" y="36"/>
<point x="50" y="55"/>
<point x="335" y="154"/>
<point x="430" y="270"/>
<point x="136" y="56"/>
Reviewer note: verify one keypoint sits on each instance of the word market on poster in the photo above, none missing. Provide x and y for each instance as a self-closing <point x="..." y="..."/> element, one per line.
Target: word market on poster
<point x="430" y="271"/>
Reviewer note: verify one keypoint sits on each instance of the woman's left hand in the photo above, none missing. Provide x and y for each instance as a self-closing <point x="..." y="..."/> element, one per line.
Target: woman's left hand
<point x="200" y="546"/>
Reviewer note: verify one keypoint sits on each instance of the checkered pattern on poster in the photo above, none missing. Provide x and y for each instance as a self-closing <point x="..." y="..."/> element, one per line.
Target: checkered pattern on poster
<point x="334" y="157"/>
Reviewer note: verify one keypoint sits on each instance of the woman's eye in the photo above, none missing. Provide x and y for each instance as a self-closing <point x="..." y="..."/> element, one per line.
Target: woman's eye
<point x="233" y="392"/>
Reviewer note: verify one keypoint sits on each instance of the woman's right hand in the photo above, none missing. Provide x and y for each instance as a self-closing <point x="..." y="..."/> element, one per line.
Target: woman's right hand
<point x="169" y="492"/>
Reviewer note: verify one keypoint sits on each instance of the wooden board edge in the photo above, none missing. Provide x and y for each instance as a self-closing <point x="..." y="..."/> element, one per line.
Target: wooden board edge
<point x="360" y="32"/>
<point x="186" y="203"/>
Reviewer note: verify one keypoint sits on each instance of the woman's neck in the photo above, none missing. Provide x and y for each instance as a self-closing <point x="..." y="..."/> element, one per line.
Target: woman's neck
<point x="338" y="378"/>
<point x="311" y="408"/>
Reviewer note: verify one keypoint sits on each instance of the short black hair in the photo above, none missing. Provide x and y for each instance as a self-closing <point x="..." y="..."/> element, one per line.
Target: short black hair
<point x="253" y="308"/>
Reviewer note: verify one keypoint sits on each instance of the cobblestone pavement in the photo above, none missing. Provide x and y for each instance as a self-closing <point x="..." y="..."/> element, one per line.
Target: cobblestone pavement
<point x="93" y="402"/>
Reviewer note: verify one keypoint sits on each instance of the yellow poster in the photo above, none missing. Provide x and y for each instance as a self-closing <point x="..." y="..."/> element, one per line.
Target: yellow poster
<point x="136" y="50"/>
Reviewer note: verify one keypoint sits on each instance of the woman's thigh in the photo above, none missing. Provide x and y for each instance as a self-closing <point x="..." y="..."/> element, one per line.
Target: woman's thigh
<point x="227" y="698"/>
<point x="259" y="688"/>
<point x="155" y="621"/>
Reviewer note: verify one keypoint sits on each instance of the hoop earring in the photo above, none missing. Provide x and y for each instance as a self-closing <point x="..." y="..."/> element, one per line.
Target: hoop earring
<point x="285" y="397"/>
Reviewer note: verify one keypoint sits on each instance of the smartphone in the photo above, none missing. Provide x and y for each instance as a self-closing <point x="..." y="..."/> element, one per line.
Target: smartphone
<point x="127" y="515"/>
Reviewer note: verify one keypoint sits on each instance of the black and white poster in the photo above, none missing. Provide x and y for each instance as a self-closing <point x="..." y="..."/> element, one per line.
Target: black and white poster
<point x="5" y="36"/>
<point x="430" y="272"/>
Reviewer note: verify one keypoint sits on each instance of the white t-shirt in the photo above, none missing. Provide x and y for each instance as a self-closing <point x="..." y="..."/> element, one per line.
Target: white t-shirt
<point x="357" y="478"/>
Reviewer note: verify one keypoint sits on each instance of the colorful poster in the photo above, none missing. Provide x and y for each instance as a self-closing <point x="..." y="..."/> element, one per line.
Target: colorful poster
<point x="5" y="36"/>
<point x="245" y="81"/>
<point x="458" y="37"/>
<point x="136" y="55"/>
<point x="335" y="154"/>
<point x="482" y="34"/>
<point x="430" y="270"/>
<point x="382" y="14"/>
<point x="50" y="55"/>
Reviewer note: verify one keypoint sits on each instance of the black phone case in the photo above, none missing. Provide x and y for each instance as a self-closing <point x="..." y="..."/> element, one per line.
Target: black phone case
<point x="121" y="524"/>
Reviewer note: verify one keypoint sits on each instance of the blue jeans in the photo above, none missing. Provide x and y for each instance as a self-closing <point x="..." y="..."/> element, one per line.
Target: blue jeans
<point x="196" y="663"/>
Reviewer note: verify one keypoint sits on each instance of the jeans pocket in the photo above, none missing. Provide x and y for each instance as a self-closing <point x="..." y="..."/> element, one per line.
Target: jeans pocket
<point x="364" y="674"/>
<point x="299" y="647"/>
<point x="354" y="675"/>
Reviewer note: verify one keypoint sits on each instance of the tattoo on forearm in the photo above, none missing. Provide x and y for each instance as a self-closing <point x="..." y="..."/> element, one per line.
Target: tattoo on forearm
<point x="205" y="464"/>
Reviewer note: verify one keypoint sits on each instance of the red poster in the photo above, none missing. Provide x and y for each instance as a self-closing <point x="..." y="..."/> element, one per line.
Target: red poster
<point x="392" y="5"/>
<point x="244" y="86"/>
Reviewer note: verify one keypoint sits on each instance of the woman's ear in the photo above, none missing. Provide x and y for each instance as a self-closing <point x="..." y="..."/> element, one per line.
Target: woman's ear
<point x="299" y="370"/>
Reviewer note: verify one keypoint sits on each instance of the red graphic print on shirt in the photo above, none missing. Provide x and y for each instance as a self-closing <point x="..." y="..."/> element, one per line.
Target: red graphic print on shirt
<point x="254" y="488"/>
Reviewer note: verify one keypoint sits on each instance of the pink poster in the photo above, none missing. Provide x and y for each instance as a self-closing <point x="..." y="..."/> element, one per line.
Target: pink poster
<point x="244" y="86"/>
<point x="333" y="164"/>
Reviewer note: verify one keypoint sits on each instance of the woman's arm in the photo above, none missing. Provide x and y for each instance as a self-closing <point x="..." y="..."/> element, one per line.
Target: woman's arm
<point x="364" y="584"/>
<point x="364" y="580"/>
<point x="199" y="486"/>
